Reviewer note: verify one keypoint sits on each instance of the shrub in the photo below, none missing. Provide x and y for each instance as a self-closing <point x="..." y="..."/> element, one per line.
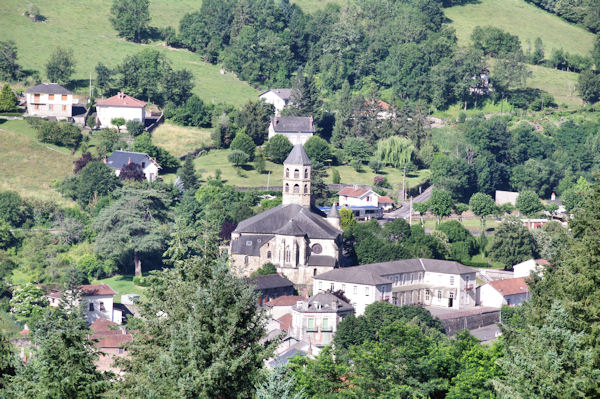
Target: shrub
<point x="135" y="128"/>
<point x="243" y="142"/>
<point x="141" y="281"/>
<point x="237" y="157"/>
<point x="357" y="165"/>
<point x="61" y="134"/>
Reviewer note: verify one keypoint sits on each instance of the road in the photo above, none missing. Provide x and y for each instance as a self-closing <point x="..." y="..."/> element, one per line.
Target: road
<point x="404" y="210"/>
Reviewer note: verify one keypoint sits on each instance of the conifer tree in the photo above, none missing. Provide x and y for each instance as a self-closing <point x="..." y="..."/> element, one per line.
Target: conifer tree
<point x="188" y="175"/>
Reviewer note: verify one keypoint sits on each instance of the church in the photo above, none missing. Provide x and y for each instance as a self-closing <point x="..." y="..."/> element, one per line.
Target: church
<point x="296" y="237"/>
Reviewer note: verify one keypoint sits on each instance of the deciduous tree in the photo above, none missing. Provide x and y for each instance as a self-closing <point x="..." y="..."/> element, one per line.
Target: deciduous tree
<point x="8" y="99"/>
<point x="60" y="65"/>
<point x="278" y="148"/>
<point x="130" y="18"/>
<point x="9" y="68"/>
<point x="440" y="204"/>
<point x="512" y="244"/>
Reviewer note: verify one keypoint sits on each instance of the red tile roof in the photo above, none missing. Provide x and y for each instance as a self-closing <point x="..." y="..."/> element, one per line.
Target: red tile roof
<point x="285" y="322"/>
<point x="96" y="289"/>
<point x="384" y="199"/>
<point x="102" y="325"/>
<point x="353" y="192"/>
<point x="121" y="100"/>
<point x="542" y="262"/>
<point x="286" y="300"/>
<point x="510" y="286"/>
<point x="112" y="340"/>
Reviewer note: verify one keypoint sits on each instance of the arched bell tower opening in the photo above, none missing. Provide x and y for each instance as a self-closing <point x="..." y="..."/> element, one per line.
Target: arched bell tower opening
<point x="296" y="178"/>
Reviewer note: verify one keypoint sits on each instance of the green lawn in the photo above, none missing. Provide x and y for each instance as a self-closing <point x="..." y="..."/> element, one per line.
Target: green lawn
<point x="122" y="284"/>
<point x="30" y="167"/>
<point x="179" y="140"/>
<point x="248" y="177"/>
<point x="522" y="19"/>
<point x="560" y="84"/>
<point x="84" y="26"/>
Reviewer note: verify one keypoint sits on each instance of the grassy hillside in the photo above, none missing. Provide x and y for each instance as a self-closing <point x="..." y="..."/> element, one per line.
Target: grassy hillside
<point x="28" y="166"/>
<point x="522" y="19"/>
<point x="84" y="26"/>
<point x="560" y="84"/>
<point x="180" y="140"/>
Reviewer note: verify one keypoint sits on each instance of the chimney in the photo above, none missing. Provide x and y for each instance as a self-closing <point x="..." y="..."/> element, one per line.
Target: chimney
<point x="104" y="159"/>
<point x="129" y="161"/>
<point x="553" y="197"/>
<point x="311" y="121"/>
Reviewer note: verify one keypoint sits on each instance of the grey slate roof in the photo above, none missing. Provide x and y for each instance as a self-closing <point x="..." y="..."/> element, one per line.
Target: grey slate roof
<point x="321" y="260"/>
<point x="249" y="244"/>
<point x="293" y="124"/>
<point x="284" y="94"/>
<point x="268" y="281"/>
<point x="277" y="221"/>
<point x="374" y="273"/>
<point x="118" y="159"/>
<point x="49" y="88"/>
<point x="324" y="302"/>
<point x="298" y="156"/>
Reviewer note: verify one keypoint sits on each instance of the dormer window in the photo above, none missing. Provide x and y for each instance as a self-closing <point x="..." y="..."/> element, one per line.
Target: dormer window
<point x="143" y="165"/>
<point x="248" y="243"/>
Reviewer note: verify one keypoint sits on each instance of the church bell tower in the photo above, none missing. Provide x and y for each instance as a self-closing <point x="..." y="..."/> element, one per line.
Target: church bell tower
<point x="296" y="177"/>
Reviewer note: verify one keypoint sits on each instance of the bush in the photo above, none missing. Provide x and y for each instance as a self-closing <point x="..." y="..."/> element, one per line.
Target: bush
<point x="461" y="117"/>
<point x="357" y="165"/>
<point x="278" y="148"/>
<point x="91" y="122"/>
<point x="376" y="165"/>
<point x="244" y="143"/>
<point x="194" y="112"/>
<point x="141" y="281"/>
<point x="61" y="134"/>
<point x="380" y="181"/>
<point x="135" y="128"/>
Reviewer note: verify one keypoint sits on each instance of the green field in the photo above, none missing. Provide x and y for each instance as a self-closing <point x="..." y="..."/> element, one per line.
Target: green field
<point x="522" y="19"/>
<point x="122" y="284"/>
<point x="560" y="84"/>
<point x="28" y="166"/>
<point x="248" y="177"/>
<point x="84" y="26"/>
<point x="179" y="140"/>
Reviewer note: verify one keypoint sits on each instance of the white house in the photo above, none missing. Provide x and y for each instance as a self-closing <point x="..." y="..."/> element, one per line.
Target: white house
<point x="279" y="98"/>
<point x="297" y="129"/>
<point x="512" y="291"/>
<point x="98" y="300"/>
<point x="506" y="197"/>
<point x="403" y="282"/>
<point x="524" y="269"/>
<point x="49" y="100"/>
<point x="315" y="320"/>
<point x="358" y="196"/>
<point x="120" y="106"/>
<point x="119" y="159"/>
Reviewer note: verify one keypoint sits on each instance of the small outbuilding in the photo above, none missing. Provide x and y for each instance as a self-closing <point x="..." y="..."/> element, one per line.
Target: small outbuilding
<point x="512" y="291"/>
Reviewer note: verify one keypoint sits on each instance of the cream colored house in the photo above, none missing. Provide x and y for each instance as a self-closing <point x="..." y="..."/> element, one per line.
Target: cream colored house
<point x="297" y="129"/>
<point x="49" y="100"/>
<point x="120" y="106"/>
<point x="299" y="240"/>
<point x="428" y="282"/>
<point x="279" y="98"/>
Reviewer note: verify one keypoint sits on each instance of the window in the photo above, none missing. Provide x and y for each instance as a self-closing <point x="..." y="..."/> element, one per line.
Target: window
<point x="50" y="97"/>
<point x="451" y="280"/>
<point x="268" y="254"/>
<point x="102" y="308"/>
<point x="143" y="165"/>
<point x="344" y="287"/>
<point x="296" y="189"/>
<point x="36" y="106"/>
<point x="368" y="198"/>
<point x="287" y="188"/>
<point x="91" y="307"/>
<point x="366" y="291"/>
<point x="306" y="173"/>
<point x="306" y="189"/>
<point x="36" y="97"/>
<point x="426" y="295"/>
<point x="310" y="324"/>
<point x="246" y="260"/>
<point x="51" y="107"/>
<point x="287" y="172"/>
<point x="439" y="295"/>
<point x="288" y="255"/>
<point x="121" y="351"/>
<point x="320" y="284"/>
<point x="248" y="243"/>
<point x="296" y="174"/>
<point x="331" y="286"/>
<point x="64" y="107"/>
<point x="317" y="249"/>
<point x="355" y="289"/>
<point x="325" y="325"/>
<point x="314" y="272"/>
<point x="64" y="97"/>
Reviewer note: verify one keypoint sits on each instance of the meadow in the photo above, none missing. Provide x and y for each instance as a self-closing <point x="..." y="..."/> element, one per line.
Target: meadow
<point x="179" y="140"/>
<point x="30" y="167"/>
<point x="85" y="27"/>
<point x="522" y="19"/>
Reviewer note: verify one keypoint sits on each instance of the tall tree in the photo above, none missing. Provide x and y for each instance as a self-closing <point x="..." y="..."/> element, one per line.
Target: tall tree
<point x="253" y="119"/>
<point x="60" y="65"/>
<point x="279" y="385"/>
<point x="528" y="203"/>
<point x="482" y="205"/>
<point x="512" y="244"/>
<point x="200" y="332"/>
<point x="62" y="365"/>
<point x="9" y="69"/>
<point x="304" y="100"/>
<point x="440" y="204"/>
<point x="8" y="99"/>
<point x="132" y="226"/>
<point x="130" y="18"/>
<point x="188" y="175"/>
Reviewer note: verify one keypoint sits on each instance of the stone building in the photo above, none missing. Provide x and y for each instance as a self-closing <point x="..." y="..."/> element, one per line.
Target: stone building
<point x="297" y="238"/>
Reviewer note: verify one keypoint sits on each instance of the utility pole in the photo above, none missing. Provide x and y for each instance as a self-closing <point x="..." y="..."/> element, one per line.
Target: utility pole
<point x="268" y="180"/>
<point x="90" y="95"/>
<point x="404" y="184"/>
<point x="410" y="213"/>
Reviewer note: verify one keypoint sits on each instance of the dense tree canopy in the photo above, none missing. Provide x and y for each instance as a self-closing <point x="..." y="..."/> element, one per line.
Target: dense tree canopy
<point x="130" y="18"/>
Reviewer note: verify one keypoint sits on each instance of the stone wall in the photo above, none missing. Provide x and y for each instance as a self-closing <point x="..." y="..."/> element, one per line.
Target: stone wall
<point x="471" y="321"/>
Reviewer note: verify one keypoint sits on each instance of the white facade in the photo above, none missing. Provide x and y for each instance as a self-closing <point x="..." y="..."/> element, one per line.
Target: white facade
<point x="100" y="307"/>
<point x="370" y="198"/>
<point x="106" y="113"/>
<point x="524" y="269"/>
<point x="359" y="295"/>
<point x="45" y="105"/>
<point x="150" y="171"/>
<point x="272" y="97"/>
<point x="490" y="297"/>
<point x="294" y="138"/>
